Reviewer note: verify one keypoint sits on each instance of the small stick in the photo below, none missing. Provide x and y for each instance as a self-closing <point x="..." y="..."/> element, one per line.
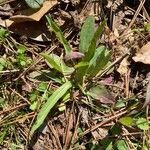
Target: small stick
<point x="102" y="123"/>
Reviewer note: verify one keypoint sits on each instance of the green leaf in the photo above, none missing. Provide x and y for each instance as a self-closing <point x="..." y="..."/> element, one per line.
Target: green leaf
<point x="21" y="49"/>
<point x="57" y="63"/>
<point x="35" y="4"/>
<point x="92" y="47"/>
<point x="121" y="145"/>
<point x="34" y="105"/>
<point x="147" y="27"/>
<point x="3" y="63"/>
<point x="81" y="72"/>
<point x="120" y="103"/>
<point x="99" y="61"/>
<point x="86" y="34"/>
<point x="142" y="124"/>
<point x="52" y="100"/>
<point x="59" y="35"/>
<point x="3" y="34"/>
<point x="107" y="144"/>
<point x="127" y="121"/>
<point x="3" y="133"/>
<point x="42" y="87"/>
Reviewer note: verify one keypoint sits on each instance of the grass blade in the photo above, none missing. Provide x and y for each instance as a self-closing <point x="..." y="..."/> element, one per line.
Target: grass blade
<point x="59" y="34"/>
<point x="52" y="100"/>
<point x="86" y="34"/>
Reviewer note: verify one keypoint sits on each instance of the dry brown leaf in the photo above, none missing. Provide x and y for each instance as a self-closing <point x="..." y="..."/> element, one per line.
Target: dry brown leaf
<point x="34" y="15"/>
<point x="123" y="68"/>
<point x="28" y="23"/>
<point x="32" y="29"/>
<point x="29" y="14"/>
<point x="143" y="55"/>
<point x="6" y="23"/>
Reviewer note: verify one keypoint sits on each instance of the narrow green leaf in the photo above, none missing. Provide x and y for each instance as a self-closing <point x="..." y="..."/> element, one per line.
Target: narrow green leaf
<point x="127" y="121"/>
<point x="99" y="61"/>
<point x="86" y="34"/>
<point x="59" y="34"/>
<point x="92" y="46"/>
<point x="34" y="3"/>
<point x="57" y="63"/>
<point x="52" y="100"/>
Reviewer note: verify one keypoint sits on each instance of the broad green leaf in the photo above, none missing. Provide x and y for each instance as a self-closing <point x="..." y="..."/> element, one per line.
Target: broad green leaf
<point x="35" y="4"/>
<point x="101" y="94"/>
<point x="99" y="61"/>
<point x="81" y="72"/>
<point x="142" y="123"/>
<point x="86" y="34"/>
<point x="127" y="121"/>
<point x="57" y="63"/>
<point x="52" y="100"/>
<point x="92" y="47"/>
<point x="121" y="145"/>
<point x="59" y="35"/>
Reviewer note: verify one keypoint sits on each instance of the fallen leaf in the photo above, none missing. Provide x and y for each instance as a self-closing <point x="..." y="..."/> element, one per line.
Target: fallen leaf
<point x="6" y="23"/>
<point x="100" y="94"/>
<point x="123" y="68"/>
<point x="32" y="29"/>
<point x="28" y="22"/>
<point x="143" y="55"/>
<point x="33" y="15"/>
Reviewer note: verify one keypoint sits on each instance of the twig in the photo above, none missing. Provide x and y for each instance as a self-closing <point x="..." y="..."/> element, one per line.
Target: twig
<point x="135" y="16"/>
<point x="13" y="108"/>
<point x="102" y="123"/>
